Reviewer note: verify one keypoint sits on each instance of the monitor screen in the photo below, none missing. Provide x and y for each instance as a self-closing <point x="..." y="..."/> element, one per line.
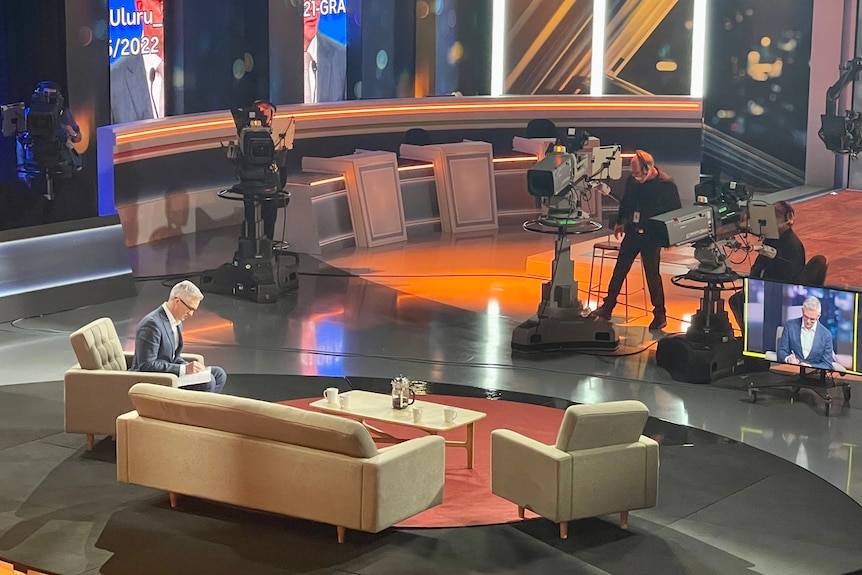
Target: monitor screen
<point x="780" y="317"/>
<point x="762" y="220"/>
<point x="136" y="54"/>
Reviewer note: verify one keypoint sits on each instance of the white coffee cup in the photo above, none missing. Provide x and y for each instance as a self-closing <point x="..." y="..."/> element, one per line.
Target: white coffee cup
<point x="344" y="401"/>
<point x="417" y="414"/>
<point x="331" y="395"/>
<point x="450" y="414"/>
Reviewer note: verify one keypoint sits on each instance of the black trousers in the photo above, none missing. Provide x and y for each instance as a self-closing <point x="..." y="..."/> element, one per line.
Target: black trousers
<point x="635" y="244"/>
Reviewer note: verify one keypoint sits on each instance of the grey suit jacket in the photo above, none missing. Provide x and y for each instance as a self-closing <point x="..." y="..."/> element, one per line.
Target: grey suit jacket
<point x="155" y="348"/>
<point x="331" y="69"/>
<point x="821" y="353"/>
<point x="130" y="90"/>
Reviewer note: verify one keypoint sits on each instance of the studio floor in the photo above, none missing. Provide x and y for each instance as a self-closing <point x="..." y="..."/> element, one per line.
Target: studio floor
<point x="776" y="490"/>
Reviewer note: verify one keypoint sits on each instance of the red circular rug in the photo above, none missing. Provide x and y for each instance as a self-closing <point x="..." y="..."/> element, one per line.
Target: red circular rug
<point x="467" y="497"/>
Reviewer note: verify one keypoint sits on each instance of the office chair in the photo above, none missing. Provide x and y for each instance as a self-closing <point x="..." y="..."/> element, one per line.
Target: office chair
<point x="541" y="128"/>
<point x="417" y="137"/>
<point x="814" y="272"/>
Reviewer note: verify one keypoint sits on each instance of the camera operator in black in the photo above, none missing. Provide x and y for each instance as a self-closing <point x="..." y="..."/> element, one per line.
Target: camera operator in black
<point x="649" y="192"/>
<point x="787" y="264"/>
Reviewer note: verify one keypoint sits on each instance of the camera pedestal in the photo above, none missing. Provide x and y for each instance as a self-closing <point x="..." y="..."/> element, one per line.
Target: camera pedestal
<point x="561" y="322"/>
<point x="708" y="350"/>
<point x="255" y="274"/>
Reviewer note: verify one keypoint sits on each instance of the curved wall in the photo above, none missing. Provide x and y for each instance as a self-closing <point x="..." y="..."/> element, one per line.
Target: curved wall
<point x="162" y="176"/>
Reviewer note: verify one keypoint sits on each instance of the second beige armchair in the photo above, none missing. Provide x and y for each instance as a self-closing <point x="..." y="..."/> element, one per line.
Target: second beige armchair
<point x="600" y="464"/>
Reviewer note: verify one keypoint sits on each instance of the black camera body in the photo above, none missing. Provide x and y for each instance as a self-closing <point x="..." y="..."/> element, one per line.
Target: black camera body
<point x="40" y="131"/>
<point x="729" y="201"/>
<point x="257" y="170"/>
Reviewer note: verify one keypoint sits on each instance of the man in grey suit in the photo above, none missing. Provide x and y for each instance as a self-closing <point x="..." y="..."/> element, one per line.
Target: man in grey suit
<point x="130" y="92"/>
<point x="805" y="341"/>
<point x="138" y="78"/>
<point x="159" y="339"/>
<point x="324" y="61"/>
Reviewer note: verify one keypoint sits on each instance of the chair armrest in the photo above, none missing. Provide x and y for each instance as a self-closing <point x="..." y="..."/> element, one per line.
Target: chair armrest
<point x="95" y="397"/>
<point x="531" y="474"/>
<point x="402" y="480"/>
<point x="190" y="357"/>
<point x="103" y="378"/>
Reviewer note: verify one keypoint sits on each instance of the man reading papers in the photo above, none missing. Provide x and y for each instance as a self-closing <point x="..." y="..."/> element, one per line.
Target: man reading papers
<point x="159" y="342"/>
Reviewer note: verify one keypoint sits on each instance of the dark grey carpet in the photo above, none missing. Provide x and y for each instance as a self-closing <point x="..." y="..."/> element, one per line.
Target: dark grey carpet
<point x="724" y="508"/>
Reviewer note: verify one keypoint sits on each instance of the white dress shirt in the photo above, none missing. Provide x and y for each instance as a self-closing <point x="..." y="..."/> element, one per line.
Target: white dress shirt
<point x="155" y="68"/>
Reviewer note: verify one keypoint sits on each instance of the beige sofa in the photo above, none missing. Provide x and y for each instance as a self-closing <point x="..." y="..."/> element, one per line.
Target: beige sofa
<point x="600" y="464"/>
<point x="275" y="458"/>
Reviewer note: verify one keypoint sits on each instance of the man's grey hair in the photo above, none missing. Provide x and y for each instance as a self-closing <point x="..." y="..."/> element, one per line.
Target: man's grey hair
<point x="811" y="303"/>
<point x="186" y="290"/>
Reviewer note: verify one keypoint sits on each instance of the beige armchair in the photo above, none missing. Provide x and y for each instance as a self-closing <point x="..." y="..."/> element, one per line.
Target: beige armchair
<point x="97" y="387"/>
<point x="600" y="464"/>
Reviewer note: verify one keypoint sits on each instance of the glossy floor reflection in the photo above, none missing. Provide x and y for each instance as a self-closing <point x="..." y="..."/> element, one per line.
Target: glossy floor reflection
<point x="443" y="309"/>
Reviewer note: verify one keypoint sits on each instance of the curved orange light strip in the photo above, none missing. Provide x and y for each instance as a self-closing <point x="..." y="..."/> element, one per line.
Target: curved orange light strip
<point x="413" y="108"/>
<point x="515" y="159"/>
<point x="327" y="181"/>
<point x="415" y="167"/>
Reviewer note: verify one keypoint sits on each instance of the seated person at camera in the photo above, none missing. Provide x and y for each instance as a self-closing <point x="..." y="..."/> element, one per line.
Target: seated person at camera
<point x="649" y="192"/>
<point x="159" y="339"/>
<point x="787" y="264"/>
<point x="805" y="341"/>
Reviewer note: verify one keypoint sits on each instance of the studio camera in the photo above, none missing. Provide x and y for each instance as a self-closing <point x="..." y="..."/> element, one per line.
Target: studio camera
<point x="722" y="211"/>
<point x="566" y="177"/>
<point x="255" y="273"/>
<point x="569" y="173"/>
<point x="44" y="132"/>
<point x="254" y="153"/>
<point x="842" y="134"/>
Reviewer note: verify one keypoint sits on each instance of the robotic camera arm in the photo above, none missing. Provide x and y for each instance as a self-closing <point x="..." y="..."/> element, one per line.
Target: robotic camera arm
<point x="842" y="134"/>
<point x="848" y="74"/>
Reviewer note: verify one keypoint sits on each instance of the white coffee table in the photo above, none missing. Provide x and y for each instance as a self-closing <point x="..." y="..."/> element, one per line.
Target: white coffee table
<point x="366" y="405"/>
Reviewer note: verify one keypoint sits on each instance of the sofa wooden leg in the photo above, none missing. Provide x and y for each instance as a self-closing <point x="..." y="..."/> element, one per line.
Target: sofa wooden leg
<point x="520" y="512"/>
<point x="564" y="530"/>
<point x="340" y="531"/>
<point x="91" y="440"/>
<point x="624" y="519"/>
<point x="173" y="499"/>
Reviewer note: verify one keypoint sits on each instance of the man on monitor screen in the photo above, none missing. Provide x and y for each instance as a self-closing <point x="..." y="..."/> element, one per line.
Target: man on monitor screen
<point x="805" y="341"/>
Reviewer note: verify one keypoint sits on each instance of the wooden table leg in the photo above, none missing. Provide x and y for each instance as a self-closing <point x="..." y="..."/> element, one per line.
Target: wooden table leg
<point x="469" y="445"/>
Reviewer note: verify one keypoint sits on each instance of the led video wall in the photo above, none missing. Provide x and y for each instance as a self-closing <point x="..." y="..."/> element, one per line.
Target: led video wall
<point x="137" y="59"/>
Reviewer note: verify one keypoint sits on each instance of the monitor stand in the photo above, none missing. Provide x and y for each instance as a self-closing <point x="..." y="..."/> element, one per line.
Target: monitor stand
<point x="820" y="381"/>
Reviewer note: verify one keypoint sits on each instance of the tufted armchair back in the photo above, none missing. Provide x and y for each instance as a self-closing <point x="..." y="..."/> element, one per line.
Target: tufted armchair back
<point x="97" y="346"/>
<point x="97" y="388"/>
